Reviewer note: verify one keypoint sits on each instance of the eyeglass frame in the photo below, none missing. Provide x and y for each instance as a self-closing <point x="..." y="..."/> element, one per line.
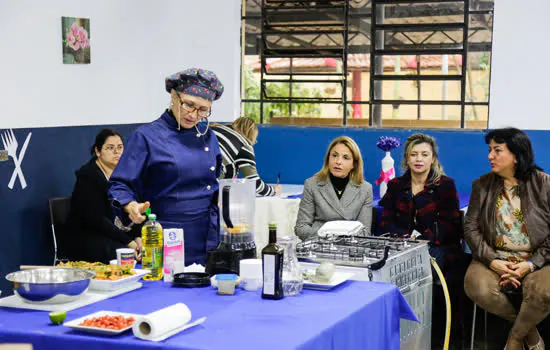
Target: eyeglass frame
<point x="195" y="108"/>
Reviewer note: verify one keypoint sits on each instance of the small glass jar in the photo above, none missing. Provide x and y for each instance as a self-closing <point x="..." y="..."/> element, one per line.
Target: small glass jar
<point x="293" y="281"/>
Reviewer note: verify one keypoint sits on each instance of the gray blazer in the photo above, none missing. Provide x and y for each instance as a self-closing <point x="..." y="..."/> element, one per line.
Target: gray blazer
<point x="320" y="204"/>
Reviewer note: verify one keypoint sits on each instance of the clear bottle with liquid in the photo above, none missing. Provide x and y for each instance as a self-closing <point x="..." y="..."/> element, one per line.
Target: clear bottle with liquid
<point x="293" y="282"/>
<point x="272" y="261"/>
<point x="152" y="250"/>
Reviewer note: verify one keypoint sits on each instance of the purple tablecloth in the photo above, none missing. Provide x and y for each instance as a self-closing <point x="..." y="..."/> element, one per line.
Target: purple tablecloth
<point x="355" y="315"/>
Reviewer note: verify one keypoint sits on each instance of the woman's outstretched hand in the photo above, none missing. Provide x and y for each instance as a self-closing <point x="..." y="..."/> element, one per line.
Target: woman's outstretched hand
<point x="135" y="211"/>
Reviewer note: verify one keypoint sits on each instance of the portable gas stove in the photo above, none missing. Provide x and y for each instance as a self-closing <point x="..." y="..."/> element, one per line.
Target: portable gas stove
<point x="403" y="262"/>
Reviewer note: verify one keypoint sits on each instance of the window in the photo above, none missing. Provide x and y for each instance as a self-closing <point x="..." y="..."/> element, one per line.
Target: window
<point x="309" y="62"/>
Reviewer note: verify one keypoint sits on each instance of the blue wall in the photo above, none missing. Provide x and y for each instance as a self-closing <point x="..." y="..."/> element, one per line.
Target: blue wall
<point x="52" y="156"/>
<point x="296" y="152"/>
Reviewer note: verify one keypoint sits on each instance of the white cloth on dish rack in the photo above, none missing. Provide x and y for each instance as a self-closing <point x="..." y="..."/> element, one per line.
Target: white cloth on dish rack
<point x="340" y="228"/>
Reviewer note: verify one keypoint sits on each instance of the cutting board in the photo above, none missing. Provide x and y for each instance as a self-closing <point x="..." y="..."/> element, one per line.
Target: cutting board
<point x="87" y="298"/>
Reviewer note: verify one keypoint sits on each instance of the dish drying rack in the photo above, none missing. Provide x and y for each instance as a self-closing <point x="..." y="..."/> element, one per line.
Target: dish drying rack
<point x="349" y="250"/>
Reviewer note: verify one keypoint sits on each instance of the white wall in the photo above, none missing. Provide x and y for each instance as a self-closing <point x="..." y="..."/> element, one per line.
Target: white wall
<point x="520" y="76"/>
<point x="135" y="44"/>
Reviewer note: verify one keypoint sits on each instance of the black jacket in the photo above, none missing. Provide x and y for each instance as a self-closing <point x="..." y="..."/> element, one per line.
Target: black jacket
<point x="91" y="211"/>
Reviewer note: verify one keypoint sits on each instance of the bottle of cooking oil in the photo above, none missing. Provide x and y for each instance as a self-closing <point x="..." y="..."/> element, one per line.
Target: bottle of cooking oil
<point x="151" y="253"/>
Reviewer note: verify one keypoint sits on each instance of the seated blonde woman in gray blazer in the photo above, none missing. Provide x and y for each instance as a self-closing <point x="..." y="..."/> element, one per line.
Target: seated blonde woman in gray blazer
<point x="337" y="192"/>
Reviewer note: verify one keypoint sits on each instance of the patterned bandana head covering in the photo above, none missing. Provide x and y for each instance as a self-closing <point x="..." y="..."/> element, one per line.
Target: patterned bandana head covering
<point x="197" y="82"/>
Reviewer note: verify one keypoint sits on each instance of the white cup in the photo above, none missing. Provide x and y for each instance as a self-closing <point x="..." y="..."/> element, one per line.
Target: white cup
<point x="250" y="272"/>
<point x="125" y="256"/>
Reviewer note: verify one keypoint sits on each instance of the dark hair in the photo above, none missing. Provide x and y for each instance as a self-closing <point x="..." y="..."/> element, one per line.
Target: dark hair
<point x="520" y="145"/>
<point x="101" y="138"/>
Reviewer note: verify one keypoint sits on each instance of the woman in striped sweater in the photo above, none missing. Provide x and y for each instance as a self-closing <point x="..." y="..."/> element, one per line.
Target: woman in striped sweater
<point x="236" y="141"/>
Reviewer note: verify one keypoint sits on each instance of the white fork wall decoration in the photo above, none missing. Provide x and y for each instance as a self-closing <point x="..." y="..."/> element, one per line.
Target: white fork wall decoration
<point x="11" y="145"/>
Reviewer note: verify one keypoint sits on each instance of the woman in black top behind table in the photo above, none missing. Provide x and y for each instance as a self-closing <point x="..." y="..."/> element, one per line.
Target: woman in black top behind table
<point x="93" y="232"/>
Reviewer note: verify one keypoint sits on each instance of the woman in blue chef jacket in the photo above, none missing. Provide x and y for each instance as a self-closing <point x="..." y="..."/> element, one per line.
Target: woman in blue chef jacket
<point x="173" y="163"/>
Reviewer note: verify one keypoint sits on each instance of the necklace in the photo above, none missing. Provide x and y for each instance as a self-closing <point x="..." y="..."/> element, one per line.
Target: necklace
<point x="339" y="184"/>
<point x="102" y="169"/>
<point x="339" y="191"/>
<point x="199" y="134"/>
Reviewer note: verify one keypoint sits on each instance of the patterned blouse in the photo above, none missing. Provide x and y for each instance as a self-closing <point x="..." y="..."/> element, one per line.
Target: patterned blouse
<point x="512" y="242"/>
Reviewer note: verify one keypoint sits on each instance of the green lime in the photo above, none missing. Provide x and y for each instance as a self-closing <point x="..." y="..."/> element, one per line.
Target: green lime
<point x="57" y="317"/>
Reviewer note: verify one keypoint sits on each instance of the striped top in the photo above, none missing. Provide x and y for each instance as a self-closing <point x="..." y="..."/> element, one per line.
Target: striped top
<point x="238" y="155"/>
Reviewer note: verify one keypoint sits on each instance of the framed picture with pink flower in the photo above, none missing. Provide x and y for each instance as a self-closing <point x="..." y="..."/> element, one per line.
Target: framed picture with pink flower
<point x="76" y="40"/>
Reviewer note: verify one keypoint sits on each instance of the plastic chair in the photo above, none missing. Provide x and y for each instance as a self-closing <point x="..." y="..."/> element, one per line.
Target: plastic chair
<point x="60" y="209"/>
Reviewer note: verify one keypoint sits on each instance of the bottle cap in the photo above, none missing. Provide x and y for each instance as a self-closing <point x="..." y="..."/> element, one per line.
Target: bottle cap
<point x="272" y="225"/>
<point x="148" y="212"/>
<point x="152" y="217"/>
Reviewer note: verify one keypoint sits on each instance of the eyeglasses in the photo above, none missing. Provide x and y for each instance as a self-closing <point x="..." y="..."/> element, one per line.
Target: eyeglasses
<point x="112" y="148"/>
<point x="203" y="112"/>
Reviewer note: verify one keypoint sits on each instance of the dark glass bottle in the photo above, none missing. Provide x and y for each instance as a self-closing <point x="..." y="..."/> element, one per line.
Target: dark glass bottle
<point x="272" y="262"/>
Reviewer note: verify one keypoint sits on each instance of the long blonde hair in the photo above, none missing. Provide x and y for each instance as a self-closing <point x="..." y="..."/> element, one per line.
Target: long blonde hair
<point x="245" y="126"/>
<point x="356" y="174"/>
<point x="416" y="139"/>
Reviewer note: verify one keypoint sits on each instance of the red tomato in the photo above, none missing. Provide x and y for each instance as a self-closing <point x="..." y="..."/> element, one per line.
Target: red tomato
<point x="108" y="322"/>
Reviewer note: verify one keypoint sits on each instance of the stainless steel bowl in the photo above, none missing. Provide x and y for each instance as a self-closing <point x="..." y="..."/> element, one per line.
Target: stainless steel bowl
<point x="50" y="285"/>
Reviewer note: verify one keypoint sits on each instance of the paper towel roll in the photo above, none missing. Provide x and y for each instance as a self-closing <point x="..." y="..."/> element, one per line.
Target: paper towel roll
<point x="158" y="323"/>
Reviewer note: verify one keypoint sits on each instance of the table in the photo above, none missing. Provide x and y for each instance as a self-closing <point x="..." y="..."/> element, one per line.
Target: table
<point x="354" y="315"/>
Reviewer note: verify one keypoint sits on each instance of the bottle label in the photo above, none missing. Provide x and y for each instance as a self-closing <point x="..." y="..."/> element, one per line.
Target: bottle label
<point x="157" y="257"/>
<point x="269" y="274"/>
<point x="152" y="258"/>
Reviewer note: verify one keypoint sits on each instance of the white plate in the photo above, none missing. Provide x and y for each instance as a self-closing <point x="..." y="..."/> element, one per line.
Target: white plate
<point x="337" y="279"/>
<point x="107" y="285"/>
<point x="75" y="324"/>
